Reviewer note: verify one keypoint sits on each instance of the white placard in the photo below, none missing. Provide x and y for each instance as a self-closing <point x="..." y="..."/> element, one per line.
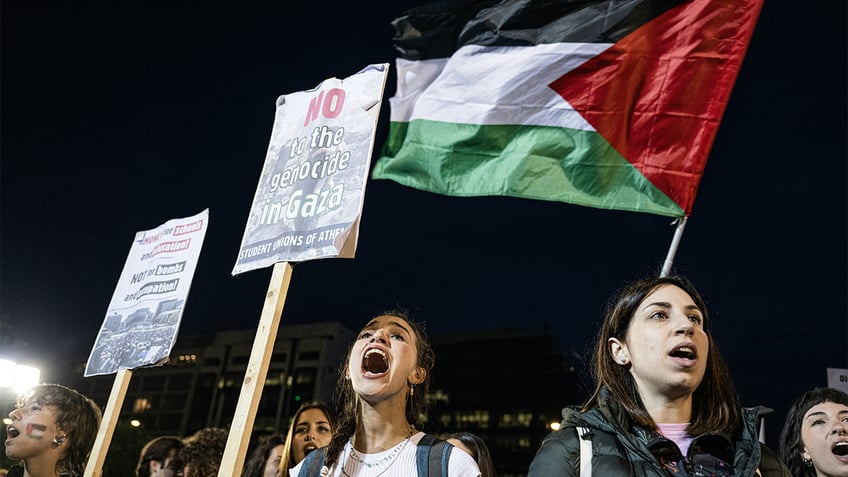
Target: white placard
<point x="837" y="379"/>
<point x="144" y="315"/>
<point x="312" y="188"/>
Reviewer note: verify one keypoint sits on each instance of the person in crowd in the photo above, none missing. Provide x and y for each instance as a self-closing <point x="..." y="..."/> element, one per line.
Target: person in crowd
<point x="201" y="453"/>
<point x="814" y="438"/>
<point x="382" y="394"/>
<point x="663" y="402"/>
<point x="51" y="433"/>
<point x="311" y="427"/>
<point x="156" y="455"/>
<point x="476" y="447"/>
<point x="264" y="461"/>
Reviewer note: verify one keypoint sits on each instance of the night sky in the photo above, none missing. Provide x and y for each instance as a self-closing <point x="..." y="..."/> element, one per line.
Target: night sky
<point x="115" y="120"/>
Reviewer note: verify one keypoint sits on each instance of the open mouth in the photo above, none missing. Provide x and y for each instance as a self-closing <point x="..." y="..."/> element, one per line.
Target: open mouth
<point x="308" y="449"/>
<point x="12" y="431"/>
<point x="840" y="449"/>
<point x="375" y="361"/>
<point x="684" y="351"/>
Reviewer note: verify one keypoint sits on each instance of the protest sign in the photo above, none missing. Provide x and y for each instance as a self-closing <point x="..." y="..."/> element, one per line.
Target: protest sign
<point x="144" y="315"/>
<point x="837" y="378"/>
<point x="311" y="190"/>
<point x="307" y="206"/>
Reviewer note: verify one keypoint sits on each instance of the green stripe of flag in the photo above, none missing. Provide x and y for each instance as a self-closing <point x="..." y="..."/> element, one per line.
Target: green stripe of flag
<point x="527" y="161"/>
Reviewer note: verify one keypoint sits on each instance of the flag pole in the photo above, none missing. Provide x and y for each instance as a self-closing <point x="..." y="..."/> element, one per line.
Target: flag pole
<point x="672" y="250"/>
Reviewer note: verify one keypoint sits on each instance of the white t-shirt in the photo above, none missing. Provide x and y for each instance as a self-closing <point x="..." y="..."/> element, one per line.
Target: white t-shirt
<point x="399" y="461"/>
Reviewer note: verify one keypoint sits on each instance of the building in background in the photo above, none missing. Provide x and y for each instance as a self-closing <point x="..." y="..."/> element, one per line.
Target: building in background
<point x="506" y="386"/>
<point x="200" y="386"/>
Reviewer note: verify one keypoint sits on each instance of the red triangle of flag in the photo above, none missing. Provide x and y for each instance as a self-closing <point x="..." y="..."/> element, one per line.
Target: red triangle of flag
<point x="658" y="94"/>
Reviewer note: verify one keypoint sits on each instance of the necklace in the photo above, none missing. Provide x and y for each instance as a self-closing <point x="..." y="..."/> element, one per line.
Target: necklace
<point x="391" y="458"/>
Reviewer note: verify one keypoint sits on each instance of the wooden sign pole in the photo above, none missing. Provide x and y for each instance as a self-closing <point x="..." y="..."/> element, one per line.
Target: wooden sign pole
<point x="94" y="467"/>
<point x="257" y="368"/>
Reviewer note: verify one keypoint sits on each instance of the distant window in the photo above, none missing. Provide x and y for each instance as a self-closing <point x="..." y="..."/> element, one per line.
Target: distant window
<point x="212" y="362"/>
<point x="135" y="385"/>
<point x="239" y="360"/>
<point x="207" y="380"/>
<point x="179" y="382"/>
<point x="473" y="419"/>
<point x="141" y="405"/>
<point x="153" y="383"/>
<point x="309" y="355"/>
<point x="275" y="379"/>
<point x="173" y="402"/>
<point x="233" y="380"/>
<point x="279" y="357"/>
<point x="169" y="423"/>
<point x="517" y="419"/>
<point x="304" y="376"/>
<point x="439" y="395"/>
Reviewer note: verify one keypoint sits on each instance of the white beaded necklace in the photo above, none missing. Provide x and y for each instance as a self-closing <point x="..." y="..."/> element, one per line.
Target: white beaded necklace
<point x="390" y="458"/>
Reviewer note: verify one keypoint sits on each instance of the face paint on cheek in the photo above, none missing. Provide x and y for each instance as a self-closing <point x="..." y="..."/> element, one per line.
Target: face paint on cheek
<point x="36" y="431"/>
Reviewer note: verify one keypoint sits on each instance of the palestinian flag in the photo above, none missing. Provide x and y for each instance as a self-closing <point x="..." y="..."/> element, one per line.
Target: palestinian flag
<point x="611" y="104"/>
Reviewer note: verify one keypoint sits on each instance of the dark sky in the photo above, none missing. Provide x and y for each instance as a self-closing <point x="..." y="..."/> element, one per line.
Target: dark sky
<point x="115" y="120"/>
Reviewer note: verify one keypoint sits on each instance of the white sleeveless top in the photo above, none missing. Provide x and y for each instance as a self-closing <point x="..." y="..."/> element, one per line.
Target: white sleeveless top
<point x="399" y="461"/>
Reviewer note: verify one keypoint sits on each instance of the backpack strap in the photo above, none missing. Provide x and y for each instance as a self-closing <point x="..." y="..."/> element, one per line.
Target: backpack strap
<point x="431" y="458"/>
<point x="432" y="455"/>
<point x="313" y="462"/>
<point x="585" y="435"/>
<point x="439" y="456"/>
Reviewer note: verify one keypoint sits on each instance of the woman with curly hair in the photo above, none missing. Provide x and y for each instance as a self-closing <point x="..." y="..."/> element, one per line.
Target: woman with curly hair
<point x="52" y="431"/>
<point x="202" y="452"/>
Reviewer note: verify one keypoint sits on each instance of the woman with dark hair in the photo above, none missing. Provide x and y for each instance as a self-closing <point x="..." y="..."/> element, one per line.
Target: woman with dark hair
<point x="264" y="461"/>
<point x="52" y="432"/>
<point x="476" y="447"/>
<point x="156" y="455"/>
<point x="814" y="439"/>
<point x="382" y="393"/>
<point x="311" y="428"/>
<point x="664" y="403"/>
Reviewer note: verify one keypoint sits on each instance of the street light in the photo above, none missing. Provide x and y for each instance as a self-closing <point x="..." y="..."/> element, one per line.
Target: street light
<point x="18" y="377"/>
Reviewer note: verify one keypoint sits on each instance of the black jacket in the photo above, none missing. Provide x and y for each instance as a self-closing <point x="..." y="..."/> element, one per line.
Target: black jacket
<point x="640" y="452"/>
